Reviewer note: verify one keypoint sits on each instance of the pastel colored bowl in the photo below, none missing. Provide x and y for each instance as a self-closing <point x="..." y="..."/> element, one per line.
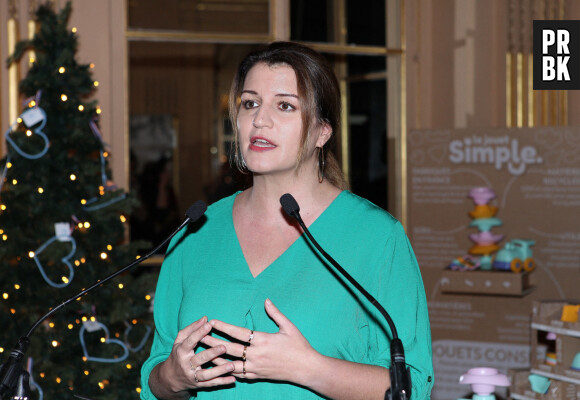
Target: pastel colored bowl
<point x="485" y="224"/>
<point x="484" y="380"/>
<point x="481" y="195"/>
<point x="483" y="250"/>
<point x="485" y="238"/>
<point x="540" y="384"/>
<point x="483" y="211"/>
<point x="576" y="362"/>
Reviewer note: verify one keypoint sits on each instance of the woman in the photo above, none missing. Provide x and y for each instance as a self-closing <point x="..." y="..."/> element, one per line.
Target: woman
<point x="245" y="308"/>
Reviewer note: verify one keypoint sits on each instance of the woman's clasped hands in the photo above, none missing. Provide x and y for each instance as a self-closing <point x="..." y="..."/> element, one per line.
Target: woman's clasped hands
<point x="280" y="356"/>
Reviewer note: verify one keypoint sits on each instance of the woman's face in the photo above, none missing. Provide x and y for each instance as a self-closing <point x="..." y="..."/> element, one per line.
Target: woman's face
<point x="270" y="121"/>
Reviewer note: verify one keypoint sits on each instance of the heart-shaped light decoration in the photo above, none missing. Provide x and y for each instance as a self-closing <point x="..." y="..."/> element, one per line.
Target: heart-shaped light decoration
<point x="99" y="326"/>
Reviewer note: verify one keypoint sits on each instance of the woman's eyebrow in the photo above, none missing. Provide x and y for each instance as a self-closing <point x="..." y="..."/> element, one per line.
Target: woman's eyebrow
<point x="253" y="92"/>
<point x="286" y="95"/>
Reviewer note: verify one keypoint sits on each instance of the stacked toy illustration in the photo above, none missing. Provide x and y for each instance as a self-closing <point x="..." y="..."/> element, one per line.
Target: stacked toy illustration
<point x="485" y="242"/>
<point x="484" y="219"/>
<point x="515" y="256"/>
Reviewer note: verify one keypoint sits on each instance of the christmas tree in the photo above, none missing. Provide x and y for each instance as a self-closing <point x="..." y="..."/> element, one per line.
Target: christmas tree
<point x="62" y="228"/>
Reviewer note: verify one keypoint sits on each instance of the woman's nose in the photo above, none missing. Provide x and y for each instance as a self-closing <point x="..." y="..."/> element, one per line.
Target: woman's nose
<point x="262" y="118"/>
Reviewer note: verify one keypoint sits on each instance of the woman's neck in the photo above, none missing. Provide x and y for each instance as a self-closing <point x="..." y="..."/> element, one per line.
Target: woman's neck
<point x="312" y="196"/>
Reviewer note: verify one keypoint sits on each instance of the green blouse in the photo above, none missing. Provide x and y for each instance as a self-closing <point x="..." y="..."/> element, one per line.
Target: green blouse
<point x="205" y="273"/>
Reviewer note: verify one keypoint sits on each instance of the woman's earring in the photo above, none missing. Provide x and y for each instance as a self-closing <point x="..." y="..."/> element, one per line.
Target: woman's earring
<point x="320" y="164"/>
<point x="242" y="166"/>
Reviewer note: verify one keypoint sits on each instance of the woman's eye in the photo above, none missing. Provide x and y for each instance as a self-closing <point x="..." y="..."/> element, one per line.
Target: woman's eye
<point x="249" y="104"/>
<point x="284" y="106"/>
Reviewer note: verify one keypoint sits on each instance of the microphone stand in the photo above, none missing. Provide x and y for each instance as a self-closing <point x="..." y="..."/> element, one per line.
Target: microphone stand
<point x="399" y="373"/>
<point x="14" y="379"/>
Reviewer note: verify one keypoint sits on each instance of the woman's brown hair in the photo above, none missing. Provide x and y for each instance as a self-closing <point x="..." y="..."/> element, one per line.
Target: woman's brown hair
<point x="319" y="95"/>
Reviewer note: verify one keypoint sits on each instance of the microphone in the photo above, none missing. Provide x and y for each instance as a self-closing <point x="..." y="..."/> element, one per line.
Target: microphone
<point x="13" y="378"/>
<point x="400" y="376"/>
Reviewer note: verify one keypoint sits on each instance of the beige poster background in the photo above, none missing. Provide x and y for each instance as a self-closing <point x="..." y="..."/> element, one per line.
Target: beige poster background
<point x="535" y="174"/>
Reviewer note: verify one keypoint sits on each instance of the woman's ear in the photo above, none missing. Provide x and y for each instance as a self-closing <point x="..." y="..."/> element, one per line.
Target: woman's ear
<point x="324" y="134"/>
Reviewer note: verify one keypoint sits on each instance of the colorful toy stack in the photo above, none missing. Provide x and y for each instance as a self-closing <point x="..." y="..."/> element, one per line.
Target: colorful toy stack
<point x="484" y="219"/>
<point x="515" y="256"/>
<point x="485" y="243"/>
<point x="483" y="382"/>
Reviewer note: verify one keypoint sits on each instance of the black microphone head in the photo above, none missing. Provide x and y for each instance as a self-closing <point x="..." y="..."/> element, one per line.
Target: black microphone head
<point x="290" y="205"/>
<point x="196" y="210"/>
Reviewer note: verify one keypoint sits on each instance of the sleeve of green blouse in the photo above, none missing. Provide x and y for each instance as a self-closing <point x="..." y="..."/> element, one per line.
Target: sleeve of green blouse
<point x="402" y="294"/>
<point x="166" y="307"/>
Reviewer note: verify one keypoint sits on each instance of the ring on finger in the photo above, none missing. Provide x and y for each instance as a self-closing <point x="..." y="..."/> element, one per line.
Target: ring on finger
<point x="191" y="364"/>
<point x="251" y="337"/>
<point x="197" y="369"/>
<point x="244" y="353"/>
<point x="244" y="367"/>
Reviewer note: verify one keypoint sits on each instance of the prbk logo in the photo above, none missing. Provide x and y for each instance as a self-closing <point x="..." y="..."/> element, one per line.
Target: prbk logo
<point x="556" y="55"/>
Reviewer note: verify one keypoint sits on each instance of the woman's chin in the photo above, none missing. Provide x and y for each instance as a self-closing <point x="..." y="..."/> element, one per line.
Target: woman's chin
<point x="259" y="171"/>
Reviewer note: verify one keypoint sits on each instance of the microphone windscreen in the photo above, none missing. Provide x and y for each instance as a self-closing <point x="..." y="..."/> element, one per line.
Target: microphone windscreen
<point x="196" y="210"/>
<point x="289" y="204"/>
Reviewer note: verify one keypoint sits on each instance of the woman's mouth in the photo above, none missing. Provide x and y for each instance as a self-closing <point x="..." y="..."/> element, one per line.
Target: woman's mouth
<point x="261" y="144"/>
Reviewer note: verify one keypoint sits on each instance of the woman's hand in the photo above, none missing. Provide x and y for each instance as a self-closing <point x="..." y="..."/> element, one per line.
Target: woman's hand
<point x="183" y="370"/>
<point x="279" y="356"/>
<point x="287" y="356"/>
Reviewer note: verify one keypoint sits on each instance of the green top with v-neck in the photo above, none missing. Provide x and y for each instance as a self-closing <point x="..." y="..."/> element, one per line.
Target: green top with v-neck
<point x="205" y="273"/>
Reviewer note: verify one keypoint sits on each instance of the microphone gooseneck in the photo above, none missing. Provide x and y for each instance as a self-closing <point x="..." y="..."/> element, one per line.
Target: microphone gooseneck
<point x="400" y="377"/>
<point x="11" y="371"/>
<point x="291" y="208"/>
